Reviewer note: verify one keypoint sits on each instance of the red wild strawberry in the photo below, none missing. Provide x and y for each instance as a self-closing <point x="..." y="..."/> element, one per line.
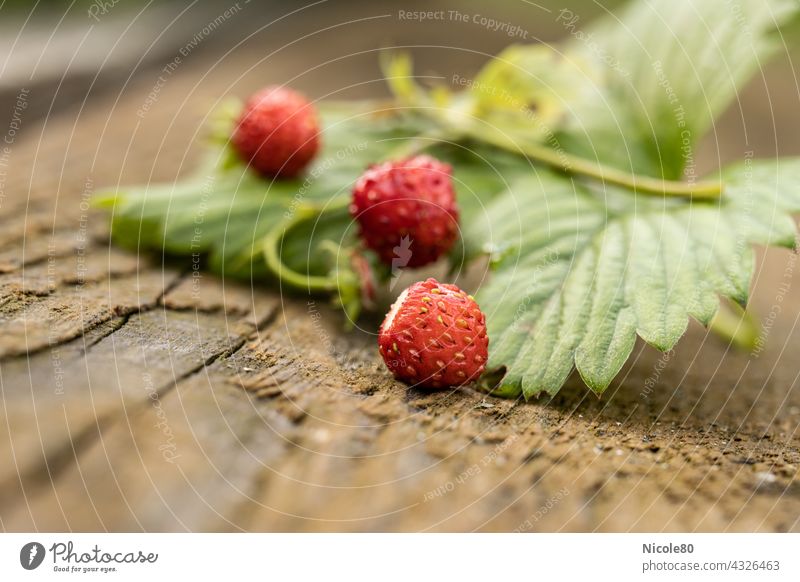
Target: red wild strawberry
<point x="407" y="210"/>
<point x="434" y="336"/>
<point x="277" y="132"/>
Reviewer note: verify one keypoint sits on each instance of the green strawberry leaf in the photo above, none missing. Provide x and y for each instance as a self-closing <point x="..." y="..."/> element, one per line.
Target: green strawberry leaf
<point x="663" y="71"/>
<point x="602" y="267"/>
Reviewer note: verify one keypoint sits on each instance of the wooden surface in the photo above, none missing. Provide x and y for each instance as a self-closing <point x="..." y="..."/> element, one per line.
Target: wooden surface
<point x="141" y="396"/>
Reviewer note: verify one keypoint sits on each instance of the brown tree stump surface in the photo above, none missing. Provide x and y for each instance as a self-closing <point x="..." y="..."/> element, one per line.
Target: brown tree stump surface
<point x="138" y="395"/>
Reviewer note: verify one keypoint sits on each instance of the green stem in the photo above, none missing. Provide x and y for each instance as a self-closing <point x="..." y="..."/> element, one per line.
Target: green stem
<point x="343" y="279"/>
<point x="567" y="163"/>
<point x="740" y="327"/>
<point x="570" y="164"/>
<point x="272" y="243"/>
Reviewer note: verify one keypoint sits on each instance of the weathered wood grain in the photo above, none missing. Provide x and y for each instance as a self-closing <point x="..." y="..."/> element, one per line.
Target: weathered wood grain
<point x="32" y="322"/>
<point x="56" y="402"/>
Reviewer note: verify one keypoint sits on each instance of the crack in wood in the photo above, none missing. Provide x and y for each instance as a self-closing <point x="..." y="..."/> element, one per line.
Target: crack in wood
<point x="54" y="463"/>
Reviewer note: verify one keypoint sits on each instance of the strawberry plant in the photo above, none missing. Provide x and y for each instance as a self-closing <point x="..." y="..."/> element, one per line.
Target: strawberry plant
<point x="575" y="179"/>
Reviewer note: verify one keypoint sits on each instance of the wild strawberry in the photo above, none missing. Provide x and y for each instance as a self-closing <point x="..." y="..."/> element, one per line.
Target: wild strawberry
<point x="277" y="132"/>
<point x="434" y="336"/>
<point x="407" y="210"/>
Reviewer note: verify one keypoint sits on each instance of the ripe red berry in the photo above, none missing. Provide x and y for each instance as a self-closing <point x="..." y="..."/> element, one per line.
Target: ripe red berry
<point x="277" y="132"/>
<point x="407" y="210"/>
<point x="434" y="336"/>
